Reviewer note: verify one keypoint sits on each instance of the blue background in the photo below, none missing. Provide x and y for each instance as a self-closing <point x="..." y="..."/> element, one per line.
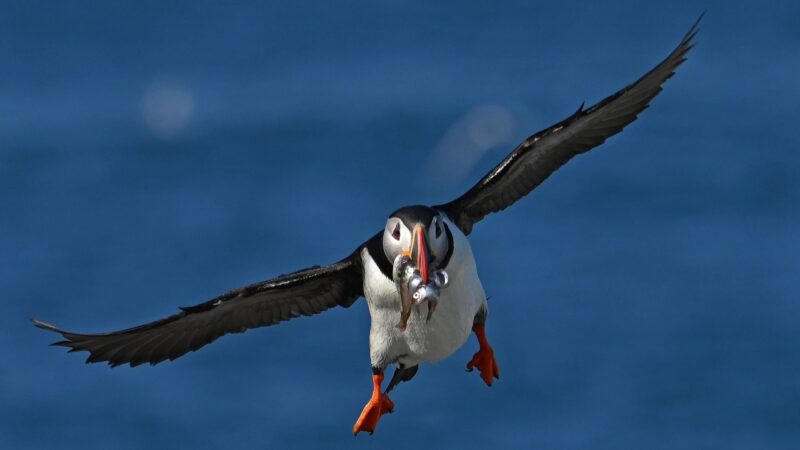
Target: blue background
<point x="155" y="155"/>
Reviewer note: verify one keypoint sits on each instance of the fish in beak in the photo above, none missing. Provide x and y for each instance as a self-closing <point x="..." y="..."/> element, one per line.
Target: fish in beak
<point x="412" y="277"/>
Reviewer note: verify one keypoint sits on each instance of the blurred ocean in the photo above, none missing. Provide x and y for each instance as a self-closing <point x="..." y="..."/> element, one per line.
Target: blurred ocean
<point x="156" y="154"/>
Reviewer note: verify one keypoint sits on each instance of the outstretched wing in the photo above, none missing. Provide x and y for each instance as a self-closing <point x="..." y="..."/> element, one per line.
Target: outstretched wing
<point x="543" y="153"/>
<point x="301" y="293"/>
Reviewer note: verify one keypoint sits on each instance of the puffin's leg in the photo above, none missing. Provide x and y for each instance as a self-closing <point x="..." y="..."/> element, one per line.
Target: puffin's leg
<point x="377" y="405"/>
<point x="484" y="359"/>
<point x="401" y="373"/>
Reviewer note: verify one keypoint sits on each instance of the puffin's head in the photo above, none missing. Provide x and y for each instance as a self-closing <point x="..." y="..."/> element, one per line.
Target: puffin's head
<point x="418" y="232"/>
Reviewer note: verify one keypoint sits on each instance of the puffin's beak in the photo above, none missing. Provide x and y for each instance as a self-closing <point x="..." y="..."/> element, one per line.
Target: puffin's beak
<point x="420" y="251"/>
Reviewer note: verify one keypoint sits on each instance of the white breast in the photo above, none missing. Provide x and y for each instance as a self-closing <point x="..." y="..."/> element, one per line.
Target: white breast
<point x="423" y="341"/>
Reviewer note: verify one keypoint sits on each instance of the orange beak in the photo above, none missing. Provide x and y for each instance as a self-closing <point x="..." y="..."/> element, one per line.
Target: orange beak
<point x="420" y="252"/>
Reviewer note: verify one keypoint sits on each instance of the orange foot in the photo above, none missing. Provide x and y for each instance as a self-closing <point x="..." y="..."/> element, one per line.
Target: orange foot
<point x="378" y="405"/>
<point x="484" y="359"/>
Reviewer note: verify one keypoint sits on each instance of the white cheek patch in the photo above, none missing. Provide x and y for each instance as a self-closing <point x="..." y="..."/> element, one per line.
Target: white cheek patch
<point x="405" y="239"/>
<point x="391" y="246"/>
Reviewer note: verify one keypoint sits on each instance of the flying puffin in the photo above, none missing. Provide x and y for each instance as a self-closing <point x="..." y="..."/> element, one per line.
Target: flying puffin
<point x="418" y="275"/>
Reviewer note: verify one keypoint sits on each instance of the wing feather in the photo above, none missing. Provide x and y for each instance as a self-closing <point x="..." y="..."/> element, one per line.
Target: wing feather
<point x="302" y="293"/>
<point x="540" y="155"/>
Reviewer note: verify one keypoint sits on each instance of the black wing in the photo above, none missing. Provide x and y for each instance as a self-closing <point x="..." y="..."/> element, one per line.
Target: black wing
<point x="301" y="293"/>
<point x="544" y="152"/>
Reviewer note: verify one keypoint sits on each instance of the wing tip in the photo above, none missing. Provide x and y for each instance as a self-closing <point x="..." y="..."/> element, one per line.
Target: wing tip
<point x="69" y="342"/>
<point x="44" y="325"/>
<point x="690" y="35"/>
<point x="70" y="337"/>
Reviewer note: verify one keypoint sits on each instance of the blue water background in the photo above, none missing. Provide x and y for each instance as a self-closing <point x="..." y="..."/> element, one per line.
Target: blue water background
<point x="646" y="296"/>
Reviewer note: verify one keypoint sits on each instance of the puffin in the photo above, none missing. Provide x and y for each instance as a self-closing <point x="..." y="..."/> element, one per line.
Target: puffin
<point x="418" y="275"/>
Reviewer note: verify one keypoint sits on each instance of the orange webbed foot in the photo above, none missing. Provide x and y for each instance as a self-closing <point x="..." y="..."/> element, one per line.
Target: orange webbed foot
<point x="484" y="360"/>
<point x="378" y="405"/>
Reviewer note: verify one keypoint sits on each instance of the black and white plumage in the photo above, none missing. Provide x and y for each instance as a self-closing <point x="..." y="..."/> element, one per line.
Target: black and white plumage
<point x="368" y="270"/>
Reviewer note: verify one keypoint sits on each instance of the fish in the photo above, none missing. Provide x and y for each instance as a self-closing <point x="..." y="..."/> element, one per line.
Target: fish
<point x="413" y="291"/>
<point x="403" y="275"/>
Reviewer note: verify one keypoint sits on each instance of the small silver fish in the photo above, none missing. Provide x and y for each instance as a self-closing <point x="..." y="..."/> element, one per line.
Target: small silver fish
<point x="439" y="281"/>
<point x="413" y="292"/>
<point x="402" y="276"/>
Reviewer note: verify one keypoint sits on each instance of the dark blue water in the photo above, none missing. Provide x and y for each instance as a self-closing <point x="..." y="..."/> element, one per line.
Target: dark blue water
<point x="153" y="156"/>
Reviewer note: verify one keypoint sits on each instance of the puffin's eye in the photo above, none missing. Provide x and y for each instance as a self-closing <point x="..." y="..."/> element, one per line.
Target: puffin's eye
<point x="438" y="229"/>
<point x="396" y="232"/>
